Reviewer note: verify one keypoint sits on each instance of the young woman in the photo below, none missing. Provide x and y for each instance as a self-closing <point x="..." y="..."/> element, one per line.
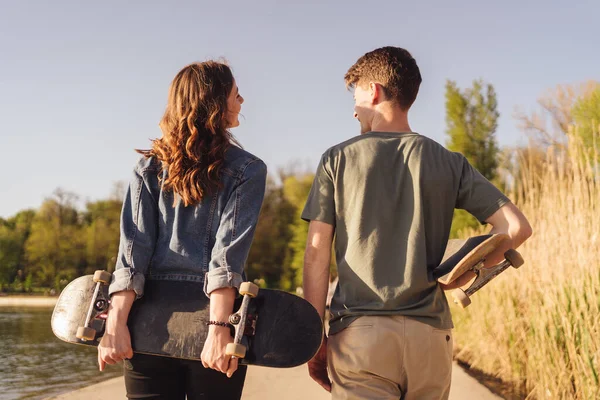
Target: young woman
<point x="189" y="214"/>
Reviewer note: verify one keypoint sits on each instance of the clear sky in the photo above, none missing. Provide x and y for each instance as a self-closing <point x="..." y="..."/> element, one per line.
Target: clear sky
<point x="84" y="83"/>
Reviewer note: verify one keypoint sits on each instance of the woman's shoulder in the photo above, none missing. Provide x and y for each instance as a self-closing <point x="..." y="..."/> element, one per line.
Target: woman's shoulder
<point x="147" y="163"/>
<point x="238" y="160"/>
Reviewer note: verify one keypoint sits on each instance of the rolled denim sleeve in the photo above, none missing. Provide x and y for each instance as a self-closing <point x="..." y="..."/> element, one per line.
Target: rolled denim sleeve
<point x="139" y="221"/>
<point x="236" y="230"/>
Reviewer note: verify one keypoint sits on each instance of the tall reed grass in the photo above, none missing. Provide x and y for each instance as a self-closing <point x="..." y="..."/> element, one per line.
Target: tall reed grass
<point x="539" y="327"/>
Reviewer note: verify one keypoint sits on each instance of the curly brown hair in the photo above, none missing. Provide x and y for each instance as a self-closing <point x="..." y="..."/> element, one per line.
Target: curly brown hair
<point x="195" y="135"/>
<point x="392" y="67"/>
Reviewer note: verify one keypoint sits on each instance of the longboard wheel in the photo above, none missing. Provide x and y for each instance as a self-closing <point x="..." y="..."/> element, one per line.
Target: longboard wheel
<point x="235" y="349"/>
<point x="514" y="258"/>
<point x="102" y="277"/>
<point x="249" y="288"/>
<point x="84" y="333"/>
<point x="461" y="298"/>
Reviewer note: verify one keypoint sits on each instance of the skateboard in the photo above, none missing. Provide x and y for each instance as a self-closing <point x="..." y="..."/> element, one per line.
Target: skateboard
<point x="272" y="328"/>
<point x="466" y="257"/>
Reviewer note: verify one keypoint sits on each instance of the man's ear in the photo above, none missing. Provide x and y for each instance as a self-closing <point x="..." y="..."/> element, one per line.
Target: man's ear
<point x="376" y="91"/>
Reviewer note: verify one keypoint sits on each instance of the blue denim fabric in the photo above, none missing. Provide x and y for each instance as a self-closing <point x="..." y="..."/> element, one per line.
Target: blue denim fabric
<point x="206" y="243"/>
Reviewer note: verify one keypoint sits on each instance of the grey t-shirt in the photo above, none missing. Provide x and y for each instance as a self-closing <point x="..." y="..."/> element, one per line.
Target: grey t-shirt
<point x="391" y="198"/>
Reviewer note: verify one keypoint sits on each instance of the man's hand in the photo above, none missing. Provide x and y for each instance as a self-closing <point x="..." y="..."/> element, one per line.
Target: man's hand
<point x="316" y="279"/>
<point x="317" y="367"/>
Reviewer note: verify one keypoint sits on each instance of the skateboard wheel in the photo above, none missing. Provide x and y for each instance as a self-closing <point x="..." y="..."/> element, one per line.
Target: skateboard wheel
<point x="514" y="258"/>
<point x="248" y="288"/>
<point x="461" y="298"/>
<point x="84" y="333"/>
<point x="235" y="349"/>
<point x="102" y="277"/>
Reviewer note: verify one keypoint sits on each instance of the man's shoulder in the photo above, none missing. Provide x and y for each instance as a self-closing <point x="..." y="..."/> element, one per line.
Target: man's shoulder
<point x="433" y="148"/>
<point x="352" y="144"/>
<point x="342" y="145"/>
<point x="412" y="139"/>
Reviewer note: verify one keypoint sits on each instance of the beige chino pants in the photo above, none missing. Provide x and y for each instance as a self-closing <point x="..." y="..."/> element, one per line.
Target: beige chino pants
<point x="390" y="357"/>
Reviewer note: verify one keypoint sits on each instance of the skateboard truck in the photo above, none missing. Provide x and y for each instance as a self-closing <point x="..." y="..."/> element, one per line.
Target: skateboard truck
<point x="250" y="328"/>
<point x="242" y="321"/>
<point x="97" y="304"/>
<point x="484" y="275"/>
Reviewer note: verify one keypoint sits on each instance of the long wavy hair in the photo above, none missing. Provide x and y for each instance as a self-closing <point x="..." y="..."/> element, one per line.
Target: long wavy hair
<point x="195" y="133"/>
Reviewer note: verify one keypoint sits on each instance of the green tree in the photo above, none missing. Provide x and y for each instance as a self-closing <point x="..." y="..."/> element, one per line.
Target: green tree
<point x="267" y="258"/>
<point x="9" y="255"/>
<point x="472" y="120"/>
<point x="295" y="190"/>
<point x="102" y="219"/>
<point x="55" y="249"/>
<point x="13" y="234"/>
<point x="586" y="120"/>
<point x="22" y="221"/>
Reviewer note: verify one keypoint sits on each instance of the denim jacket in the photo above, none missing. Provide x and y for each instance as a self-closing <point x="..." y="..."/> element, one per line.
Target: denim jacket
<point x="206" y="243"/>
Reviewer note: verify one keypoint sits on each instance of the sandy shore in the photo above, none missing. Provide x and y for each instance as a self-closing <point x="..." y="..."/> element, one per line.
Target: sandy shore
<point x="288" y="384"/>
<point x="27" y="301"/>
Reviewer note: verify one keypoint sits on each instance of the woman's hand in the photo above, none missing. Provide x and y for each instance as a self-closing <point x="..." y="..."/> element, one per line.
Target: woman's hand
<point x="115" y="345"/>
<point x="213" y="354"/>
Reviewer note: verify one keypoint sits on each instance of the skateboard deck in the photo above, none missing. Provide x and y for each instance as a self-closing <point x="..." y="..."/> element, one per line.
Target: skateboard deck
<point x="280" y="329"/>
<point x="467" y="256"/>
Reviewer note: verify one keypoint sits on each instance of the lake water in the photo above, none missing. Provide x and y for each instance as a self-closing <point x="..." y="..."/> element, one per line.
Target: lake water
<point x="34" y="364"/>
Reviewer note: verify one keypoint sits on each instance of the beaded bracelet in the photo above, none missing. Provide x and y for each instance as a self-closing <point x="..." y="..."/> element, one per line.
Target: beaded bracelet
<point x="219" y="323"/>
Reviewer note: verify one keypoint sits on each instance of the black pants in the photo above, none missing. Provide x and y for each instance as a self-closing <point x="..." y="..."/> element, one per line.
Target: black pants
<point x="153" y="377"/>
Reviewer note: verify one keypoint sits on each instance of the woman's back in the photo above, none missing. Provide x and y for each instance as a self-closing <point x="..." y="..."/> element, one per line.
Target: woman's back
<point x="180" y="242"/>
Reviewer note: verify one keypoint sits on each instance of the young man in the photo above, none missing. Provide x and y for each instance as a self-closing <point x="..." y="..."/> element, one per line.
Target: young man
<point x="389" y="196"/>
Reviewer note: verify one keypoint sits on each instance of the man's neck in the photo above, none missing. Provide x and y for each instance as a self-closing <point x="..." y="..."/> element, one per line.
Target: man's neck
<point x="391" y="121"/>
